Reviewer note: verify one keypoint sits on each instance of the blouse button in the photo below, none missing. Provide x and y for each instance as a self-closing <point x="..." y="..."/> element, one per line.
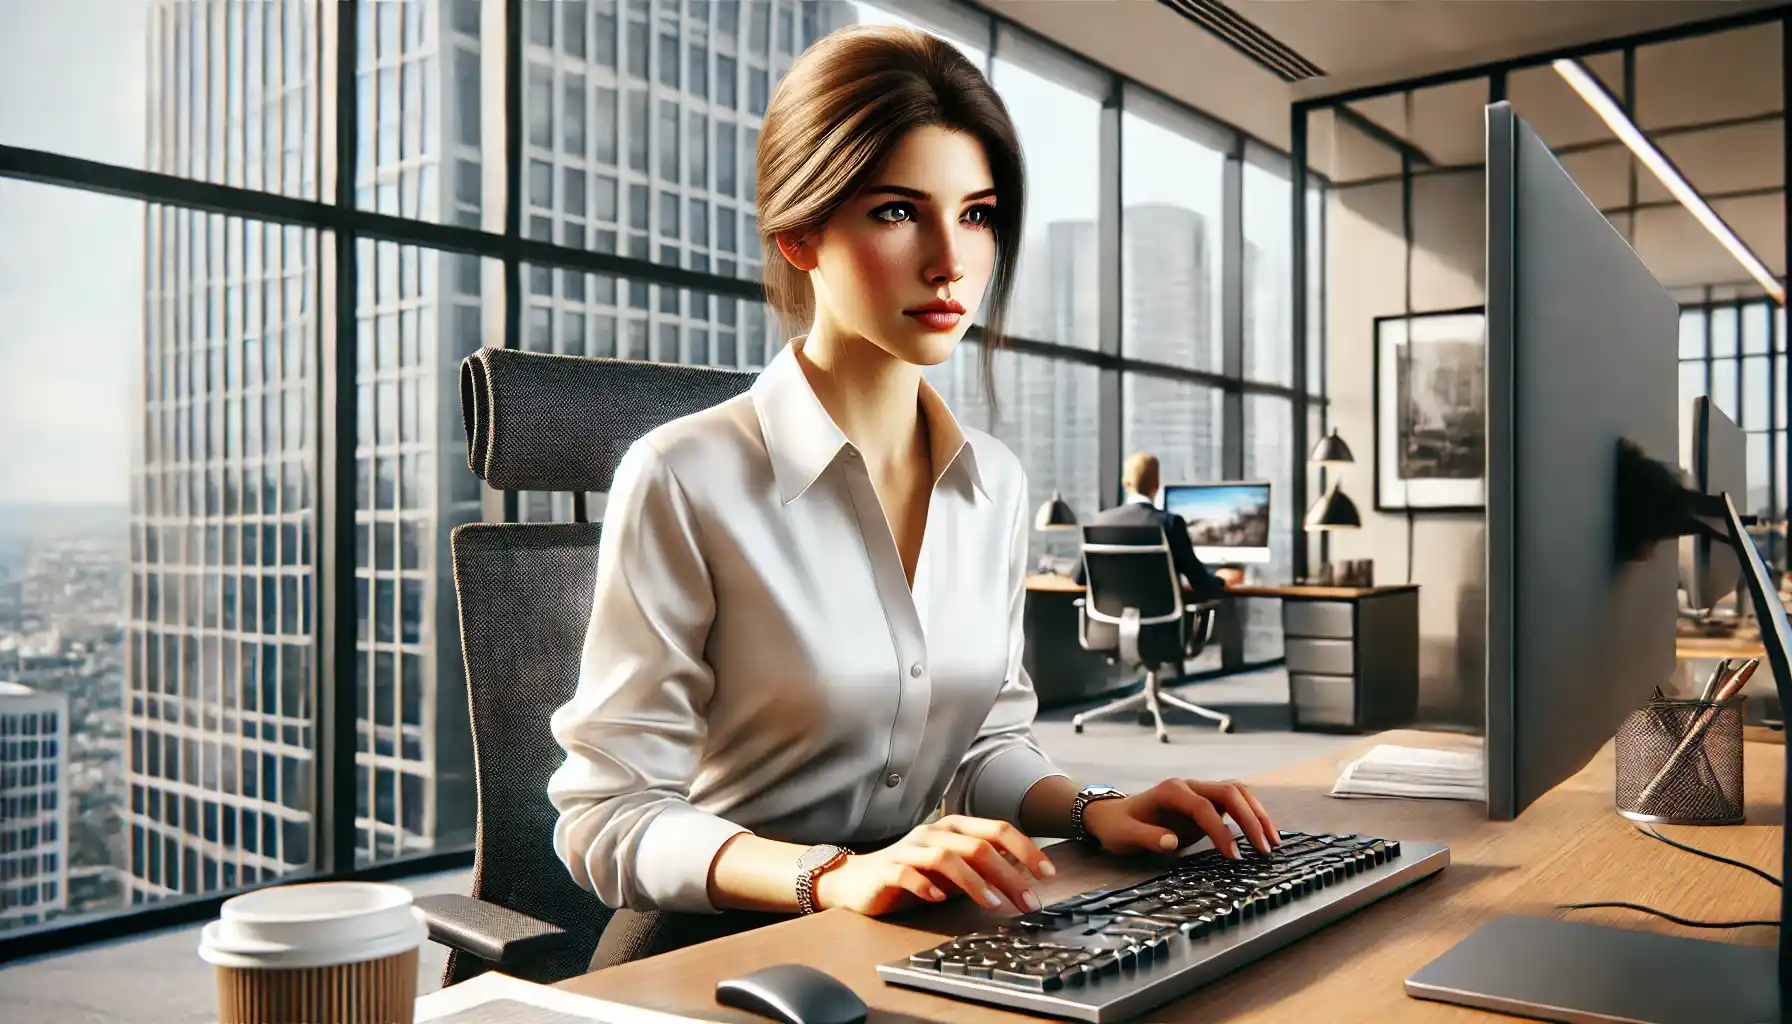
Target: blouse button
<point x="893" y="781"/>
<point x="915" y="670"/>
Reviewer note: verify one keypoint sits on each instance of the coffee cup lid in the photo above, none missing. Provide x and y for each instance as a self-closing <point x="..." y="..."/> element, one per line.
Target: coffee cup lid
<point x="313" y="924"/>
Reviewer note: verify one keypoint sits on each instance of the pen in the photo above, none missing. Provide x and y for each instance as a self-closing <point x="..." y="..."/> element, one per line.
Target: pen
<point x="1701" y="724"/>
<point x="1716" y="679"/>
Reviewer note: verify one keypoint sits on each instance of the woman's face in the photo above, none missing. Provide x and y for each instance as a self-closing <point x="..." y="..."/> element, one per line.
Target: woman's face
<point x="904" y="263"/>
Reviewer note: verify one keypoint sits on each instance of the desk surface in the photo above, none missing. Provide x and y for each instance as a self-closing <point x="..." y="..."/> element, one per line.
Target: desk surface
<point x="1054" y="583"/>
<point x="1568" y="847"/>
<point x="1698" y="648"/>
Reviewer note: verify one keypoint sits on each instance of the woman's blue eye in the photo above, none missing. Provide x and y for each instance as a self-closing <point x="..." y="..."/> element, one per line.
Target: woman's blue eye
<point x="887" y="211"/>
<point x="980" y="215"/>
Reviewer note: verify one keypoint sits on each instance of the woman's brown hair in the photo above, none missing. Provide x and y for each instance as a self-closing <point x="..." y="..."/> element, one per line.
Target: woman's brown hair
<point x="834" y="120"/>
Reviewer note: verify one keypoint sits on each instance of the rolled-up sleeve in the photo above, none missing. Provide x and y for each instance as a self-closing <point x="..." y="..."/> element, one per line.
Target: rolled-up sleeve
<point x="1005" y="761"/>
<point x="635" y="727"/>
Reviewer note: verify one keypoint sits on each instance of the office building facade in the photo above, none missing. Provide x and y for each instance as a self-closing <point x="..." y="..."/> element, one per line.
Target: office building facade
<point x="642" y="124"/>
<point x="34" y="802"/>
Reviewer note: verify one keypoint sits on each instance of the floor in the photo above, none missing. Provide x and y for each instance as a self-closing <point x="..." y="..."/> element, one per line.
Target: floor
<point x="159" y="979"/>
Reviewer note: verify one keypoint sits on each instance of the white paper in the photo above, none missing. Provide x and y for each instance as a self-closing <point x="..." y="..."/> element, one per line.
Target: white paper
<point x="496" y="998"/>
<point x="1414" y="773"/>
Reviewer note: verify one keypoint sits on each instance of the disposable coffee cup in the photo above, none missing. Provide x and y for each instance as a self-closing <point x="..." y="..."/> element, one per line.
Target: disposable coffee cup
<point x="317" y="953"/>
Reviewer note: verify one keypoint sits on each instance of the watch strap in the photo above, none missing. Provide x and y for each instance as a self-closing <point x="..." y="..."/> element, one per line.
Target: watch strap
<point x="814" y="861"/>
<point x="1078" y="829"/>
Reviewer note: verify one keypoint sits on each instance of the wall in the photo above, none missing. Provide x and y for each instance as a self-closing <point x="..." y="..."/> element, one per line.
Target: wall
<point x="1366" y="266"/>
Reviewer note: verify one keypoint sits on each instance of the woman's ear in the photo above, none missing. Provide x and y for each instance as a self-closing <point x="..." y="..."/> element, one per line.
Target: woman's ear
<point x="799" y="250"/>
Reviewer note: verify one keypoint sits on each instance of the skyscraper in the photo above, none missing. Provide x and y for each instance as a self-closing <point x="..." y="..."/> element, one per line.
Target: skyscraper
<point x="641" y="122"/>
<point x="34" y="803"/>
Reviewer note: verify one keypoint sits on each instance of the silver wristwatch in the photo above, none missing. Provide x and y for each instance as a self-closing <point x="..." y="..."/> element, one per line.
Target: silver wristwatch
<point x="809" y="866"/>
<point x="1084" y="797"/>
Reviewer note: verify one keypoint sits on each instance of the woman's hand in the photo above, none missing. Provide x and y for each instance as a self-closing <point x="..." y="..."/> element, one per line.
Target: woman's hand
<point x="976" y="856"/>
<point x="1176" y="813"/>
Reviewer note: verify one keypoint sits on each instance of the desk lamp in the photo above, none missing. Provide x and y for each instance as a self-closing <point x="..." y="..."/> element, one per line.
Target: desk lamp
<point x="1334" y="510"/>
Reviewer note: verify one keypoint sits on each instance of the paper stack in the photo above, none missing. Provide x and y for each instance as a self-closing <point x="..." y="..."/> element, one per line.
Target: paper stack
<point x="1414" y="773"/>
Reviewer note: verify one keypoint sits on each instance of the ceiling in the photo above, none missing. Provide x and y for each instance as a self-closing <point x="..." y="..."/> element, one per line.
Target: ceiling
<point x="1682" y="87"/>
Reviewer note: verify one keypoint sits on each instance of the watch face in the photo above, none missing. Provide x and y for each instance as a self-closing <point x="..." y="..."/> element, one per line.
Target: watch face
<point x="1097" y="792"/>
<point x="817" y="857"/>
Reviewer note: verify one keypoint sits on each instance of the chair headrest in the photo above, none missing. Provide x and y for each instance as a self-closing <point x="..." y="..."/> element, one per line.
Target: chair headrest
<point x="541" y="422"/>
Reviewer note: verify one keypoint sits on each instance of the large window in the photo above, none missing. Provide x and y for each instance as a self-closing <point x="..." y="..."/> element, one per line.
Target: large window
<point x="166" y="589"/>
<point x="1172" y="203"/>
<point x="1057" y="295"/>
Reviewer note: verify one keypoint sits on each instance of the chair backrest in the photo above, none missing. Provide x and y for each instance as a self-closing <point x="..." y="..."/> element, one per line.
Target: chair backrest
<point x="552" y="423"/>
<point x="1130" y="568"/>
<point x="525" y="594"/>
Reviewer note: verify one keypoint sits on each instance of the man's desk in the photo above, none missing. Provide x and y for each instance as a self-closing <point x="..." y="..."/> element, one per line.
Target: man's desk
<point x="1569" y="847"/>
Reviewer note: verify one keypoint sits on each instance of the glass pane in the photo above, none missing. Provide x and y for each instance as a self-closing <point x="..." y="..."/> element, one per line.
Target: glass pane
<point x="426" y="103"/>
<point x="1316" y="313"/>
<point x="224" y="93"/>
<point x="1723" y="386"/>
<point x="1175" y="420"/>
<point x="1760" y="478"/>
<point x="1756" y="328"/>
<point x="1055" y="297"/>
<point x="1692" y="381"/>
<point x="1170" y="251"/>
<point x="1269" y="455"/>
<point x="116" y="519"/>
<point x="1046" y="414"/>
<point x="1692" y="334"/>
<point x="1724" y="330"/>
<point x="1755" y="392"/>
<point x="415" y="488"/>
<point x="1268" y="274"/>
<point x="1315" y="486"/>
<point x="597" y="315"/>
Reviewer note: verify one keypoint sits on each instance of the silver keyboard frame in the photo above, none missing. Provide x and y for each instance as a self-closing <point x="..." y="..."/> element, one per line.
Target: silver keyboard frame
<point x="1190" y="963"/>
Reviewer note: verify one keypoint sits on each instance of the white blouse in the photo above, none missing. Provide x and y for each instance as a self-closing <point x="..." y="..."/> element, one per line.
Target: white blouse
<point x="757" y="662"/>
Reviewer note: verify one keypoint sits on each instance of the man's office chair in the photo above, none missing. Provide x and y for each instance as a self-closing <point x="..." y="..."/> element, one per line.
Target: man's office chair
<point x="1134" y="607"/>
<point x="537" y="422"/>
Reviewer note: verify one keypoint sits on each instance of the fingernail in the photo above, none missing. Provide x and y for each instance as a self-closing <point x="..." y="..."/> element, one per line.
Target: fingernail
<point x="1047" y="870"/>
<point x="1032" y="901"/>
<point x="990" y="898"/>
<point x="935" y="894"/>
<point x="1167" y="843"/>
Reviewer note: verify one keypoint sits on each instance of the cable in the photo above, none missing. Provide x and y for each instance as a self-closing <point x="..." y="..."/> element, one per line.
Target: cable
<point x="1664" y="914"/>
<point x="1651" y="833"/>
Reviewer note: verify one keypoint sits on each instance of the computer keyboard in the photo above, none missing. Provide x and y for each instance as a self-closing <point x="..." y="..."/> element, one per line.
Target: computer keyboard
<point x="1112" y="954"/>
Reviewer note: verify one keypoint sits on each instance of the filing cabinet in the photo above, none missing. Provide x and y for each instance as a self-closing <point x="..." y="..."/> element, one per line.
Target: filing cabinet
<point x="1352" y="656"/>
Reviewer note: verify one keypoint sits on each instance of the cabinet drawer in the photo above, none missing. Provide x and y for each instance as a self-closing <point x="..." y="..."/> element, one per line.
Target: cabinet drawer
<point x="1320" y="657"/>
<point x="1322" y="700"/>
<point x="1317" y="618"/>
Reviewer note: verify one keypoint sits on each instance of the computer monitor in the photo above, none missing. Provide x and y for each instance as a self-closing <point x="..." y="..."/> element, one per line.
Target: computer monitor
<point x="1228" y="521"/>
<point x="1582" y="491"/>
<point x="1716" y="456"/>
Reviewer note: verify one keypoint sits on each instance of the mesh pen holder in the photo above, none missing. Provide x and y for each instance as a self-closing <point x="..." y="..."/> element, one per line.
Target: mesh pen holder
<point x="1679" y="762"/>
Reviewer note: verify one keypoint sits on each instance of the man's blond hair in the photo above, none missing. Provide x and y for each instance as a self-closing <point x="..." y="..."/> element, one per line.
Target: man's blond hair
<point x="1140" y="475"/>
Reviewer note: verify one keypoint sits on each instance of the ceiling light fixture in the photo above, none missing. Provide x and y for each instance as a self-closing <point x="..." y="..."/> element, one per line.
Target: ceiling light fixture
<point x="1582" y="81"/>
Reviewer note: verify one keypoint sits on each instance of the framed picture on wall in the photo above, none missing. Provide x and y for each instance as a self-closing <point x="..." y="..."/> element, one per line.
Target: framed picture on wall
<point x="1431" y="411"/>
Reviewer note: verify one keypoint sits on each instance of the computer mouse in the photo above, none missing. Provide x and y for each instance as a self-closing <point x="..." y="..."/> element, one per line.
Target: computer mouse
<point x="794" y="994"/>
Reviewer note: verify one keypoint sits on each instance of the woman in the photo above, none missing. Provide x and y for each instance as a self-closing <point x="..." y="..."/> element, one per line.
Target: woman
<point x="806" y="635"/>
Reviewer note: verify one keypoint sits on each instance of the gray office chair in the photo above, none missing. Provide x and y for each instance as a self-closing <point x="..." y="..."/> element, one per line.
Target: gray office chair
<point x="537" y="422"/>
<point x="1134" y="607"/>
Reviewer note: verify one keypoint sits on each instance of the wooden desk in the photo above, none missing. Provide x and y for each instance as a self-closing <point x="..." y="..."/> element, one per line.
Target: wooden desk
<point x="1568" y="847"/>
<point x="1701" y="648"/>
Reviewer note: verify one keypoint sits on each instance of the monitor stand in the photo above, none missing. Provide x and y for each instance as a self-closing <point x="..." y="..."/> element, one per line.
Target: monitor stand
<point x="1575" y="972"/>
<point x="1571" y="971"/>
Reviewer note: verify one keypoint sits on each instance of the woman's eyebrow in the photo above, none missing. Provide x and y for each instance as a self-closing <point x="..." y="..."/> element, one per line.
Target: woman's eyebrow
<point x="916" y="194"/>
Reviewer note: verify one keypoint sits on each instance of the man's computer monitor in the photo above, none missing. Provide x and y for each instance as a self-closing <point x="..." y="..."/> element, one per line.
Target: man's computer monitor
<point x="1228" y="521"/>
<point x="1716" y="457"/>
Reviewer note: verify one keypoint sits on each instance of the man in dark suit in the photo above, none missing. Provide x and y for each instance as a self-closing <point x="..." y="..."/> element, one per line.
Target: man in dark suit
<point x="1141" y="480"/>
